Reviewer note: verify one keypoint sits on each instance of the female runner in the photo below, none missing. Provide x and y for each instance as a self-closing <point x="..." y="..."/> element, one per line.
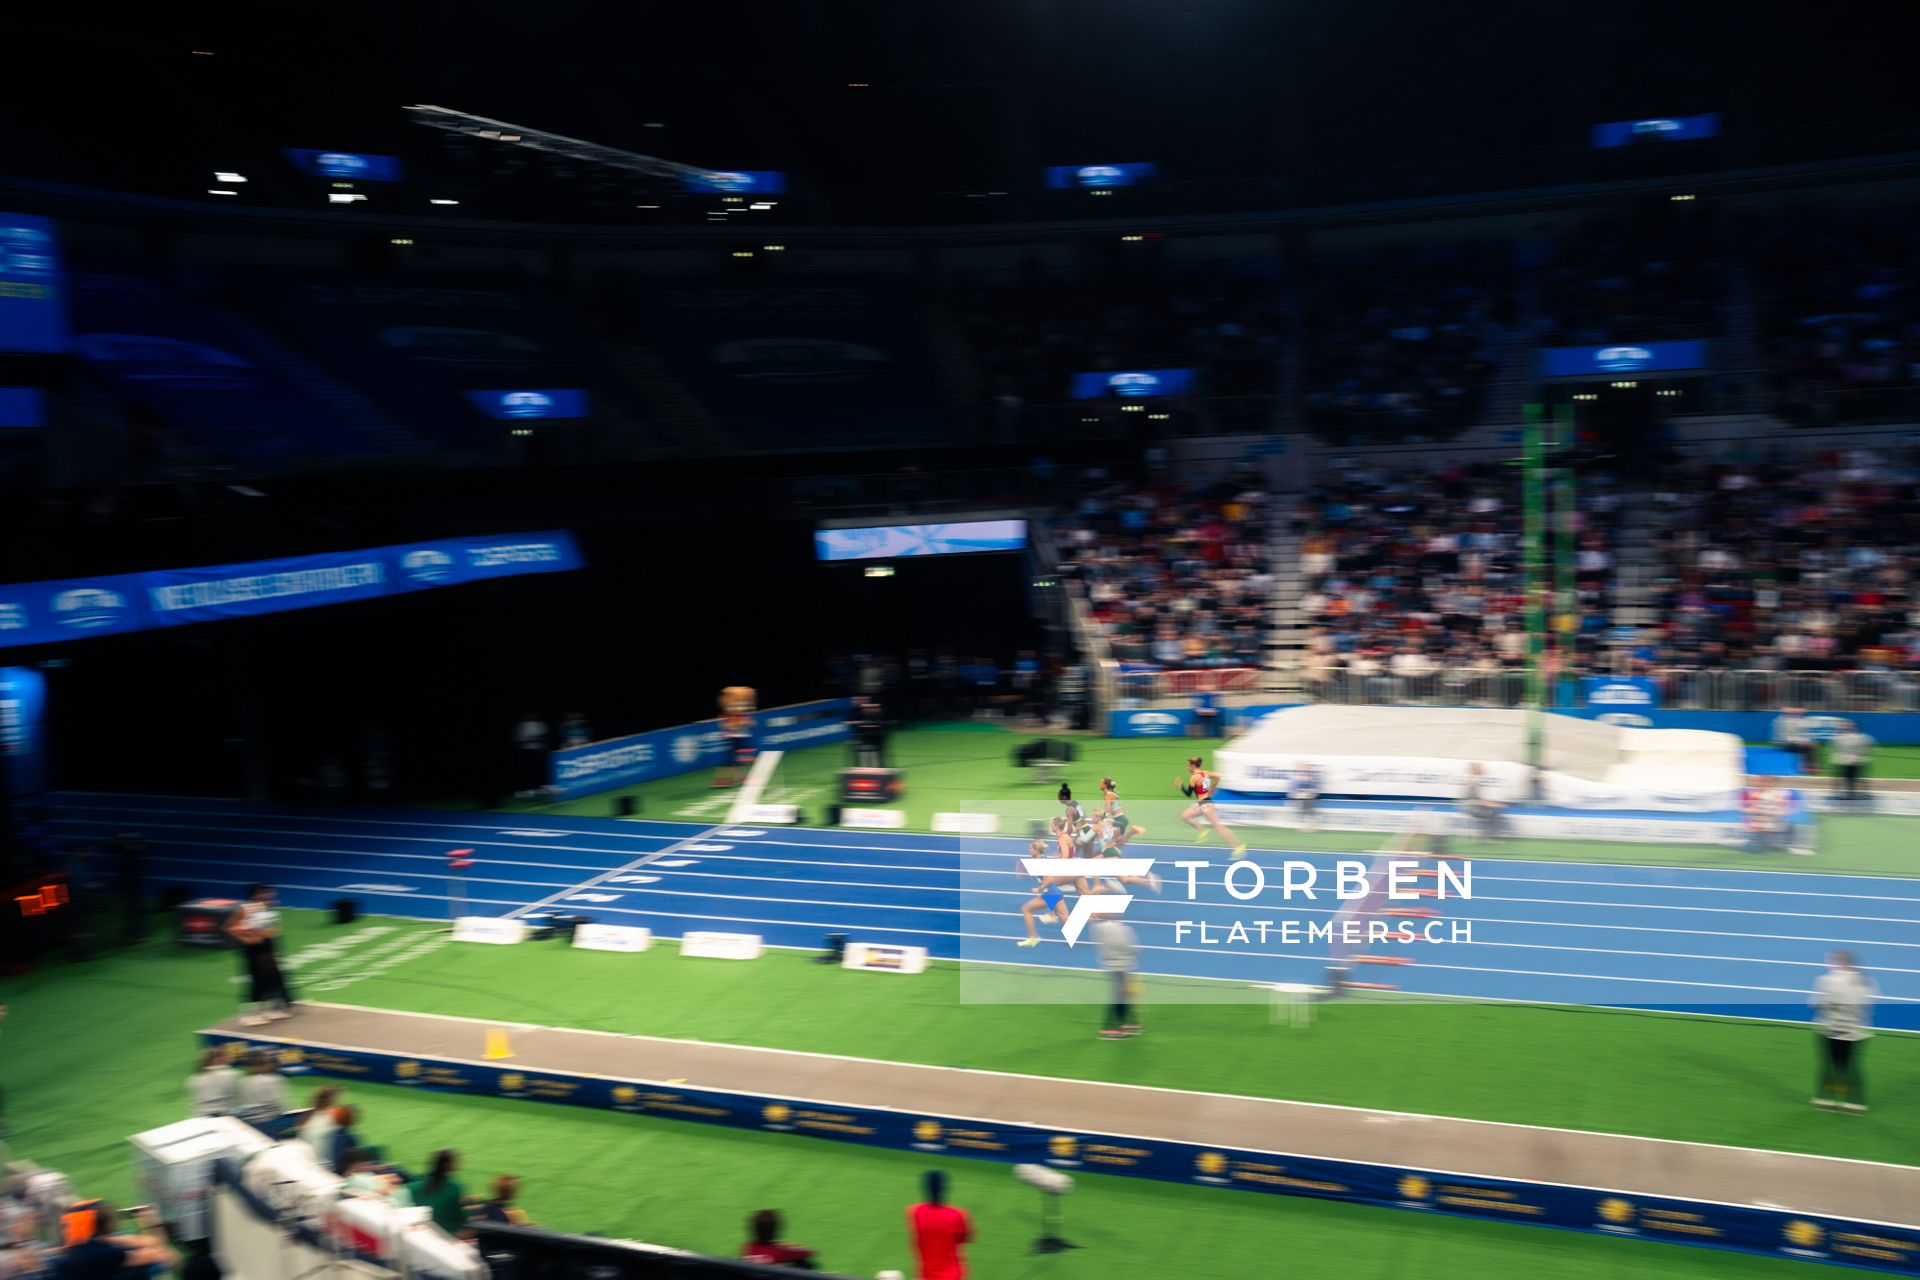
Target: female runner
<point x="1201" y="784"/>
<point x="1047" y="899"/>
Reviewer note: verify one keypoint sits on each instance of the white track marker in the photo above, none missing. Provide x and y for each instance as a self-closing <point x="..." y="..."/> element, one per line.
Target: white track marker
<point x="757" y="778"/>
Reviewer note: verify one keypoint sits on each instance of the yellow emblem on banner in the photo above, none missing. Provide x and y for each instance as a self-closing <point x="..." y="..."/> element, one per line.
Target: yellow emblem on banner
<point x="1415" y="1187"/>
<point x="1617" y="1211"/>
<point x="1808" y="1235"/>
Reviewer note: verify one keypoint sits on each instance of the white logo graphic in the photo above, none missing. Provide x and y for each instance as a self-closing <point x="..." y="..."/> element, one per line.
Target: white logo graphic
<point x="593" y="897"/>
<point x="1620" y="695"/>
<point x="1618" y="359"/>
<point x="1626" y="720"/>
<point x="89" y="607"/>
<point x="1086" y="907"/>
<point x="339" y="163"/>
<point x="426" y="565"/>
<point x="687" y="748"/>
<point x="1133" y="384"/>
<point x="525" y="404"/>
<point x="1153" y="722"/>
<point x="13" y="617"/>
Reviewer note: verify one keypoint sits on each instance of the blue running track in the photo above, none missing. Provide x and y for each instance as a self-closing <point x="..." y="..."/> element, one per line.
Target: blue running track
<point x="1743" y="942"/>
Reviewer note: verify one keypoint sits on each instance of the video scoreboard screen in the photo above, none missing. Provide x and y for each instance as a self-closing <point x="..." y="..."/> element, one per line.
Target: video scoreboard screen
<point x="1132" y="382"/>
<point x="740" y="182"/>
<point x="1628" y="133"/>
<point x="885" y="542"/>
<point x="1088" y="177"/>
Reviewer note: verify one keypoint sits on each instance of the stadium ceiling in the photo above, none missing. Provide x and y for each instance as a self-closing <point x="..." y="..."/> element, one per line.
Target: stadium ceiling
<point x="459" y="122"/>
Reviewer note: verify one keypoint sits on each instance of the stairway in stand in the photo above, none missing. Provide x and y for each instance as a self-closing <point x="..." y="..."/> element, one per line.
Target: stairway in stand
<point x="1287" y="635"/>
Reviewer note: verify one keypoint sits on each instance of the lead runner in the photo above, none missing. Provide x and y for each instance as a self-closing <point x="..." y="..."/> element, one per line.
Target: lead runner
<point x="1200" y="785"/>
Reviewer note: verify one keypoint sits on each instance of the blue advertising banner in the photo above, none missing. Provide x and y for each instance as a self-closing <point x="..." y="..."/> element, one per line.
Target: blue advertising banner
<point x="1621" y="693"/>
<point x="32" y="304"/>
<point x="662" y="753"/>
<point x="1625" y="133"/>
<point x="1888" y="728"/>
<point x="548" y="403"/>
<point x="345" y="164"/>
<point x="1097" y="177"/>
<point x="23" y="731"/>
<point x="1159" y="722"/>
<point x="48" y="612"/>
<point x="1773" y="1232"/>
<point x="1132" y="382"/>
<point x="740" y="182"/>
<point x="1623" y="357"/>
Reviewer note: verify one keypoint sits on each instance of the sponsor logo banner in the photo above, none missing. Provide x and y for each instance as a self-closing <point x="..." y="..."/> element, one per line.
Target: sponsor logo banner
<point x="874" y="819"/>
<point x="702" y="944"/>
<point x="663" y="753"/>
<point x="47" y="612"/>
<point x="500" y="932"/>
<point x="612" y="937"/>
<point x="880" y="957"/>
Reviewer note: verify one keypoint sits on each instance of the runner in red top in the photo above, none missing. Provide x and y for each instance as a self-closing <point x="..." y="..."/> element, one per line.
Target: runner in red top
<point x="940" y="1233"/>
<point x="1200" y="785"/>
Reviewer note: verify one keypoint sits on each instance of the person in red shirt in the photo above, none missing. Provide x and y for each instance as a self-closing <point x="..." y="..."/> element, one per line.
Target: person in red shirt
<point x="764" y="1245"/>
<point x="939" y="1232"/>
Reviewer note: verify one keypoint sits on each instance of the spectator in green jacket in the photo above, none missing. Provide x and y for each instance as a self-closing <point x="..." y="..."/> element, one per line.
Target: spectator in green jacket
<point x="441" y="1195"/>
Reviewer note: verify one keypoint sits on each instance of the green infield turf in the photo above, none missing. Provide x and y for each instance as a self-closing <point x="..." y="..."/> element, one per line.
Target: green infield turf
<point x="1732" y="1081"/>
<point x="967" y="766"/>
<point x="99" y="1050"/>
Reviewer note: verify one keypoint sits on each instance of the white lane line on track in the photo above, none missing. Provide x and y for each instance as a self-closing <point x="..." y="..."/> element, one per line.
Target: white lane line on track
<point x="1145" y="922"/>
<point x="561" y="820"/>
<point x="605" y="876"/>
<point x="1796" y="992"/>
<point x="1825" y="940"/>
<point x="1478" y="875"/>
<point x="1564" y="902"/>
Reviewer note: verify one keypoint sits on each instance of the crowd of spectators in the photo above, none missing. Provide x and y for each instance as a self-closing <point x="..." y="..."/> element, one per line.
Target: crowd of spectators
<point x="1173" y="579"/>
<point x="1839" y="314"/>
<point x="1647" y="279"/>
<point x="1402" y="342"/>
<point x="1411" y="574"/>
<point x="1031" y="339"/>
<point x="1797" y="565"/>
